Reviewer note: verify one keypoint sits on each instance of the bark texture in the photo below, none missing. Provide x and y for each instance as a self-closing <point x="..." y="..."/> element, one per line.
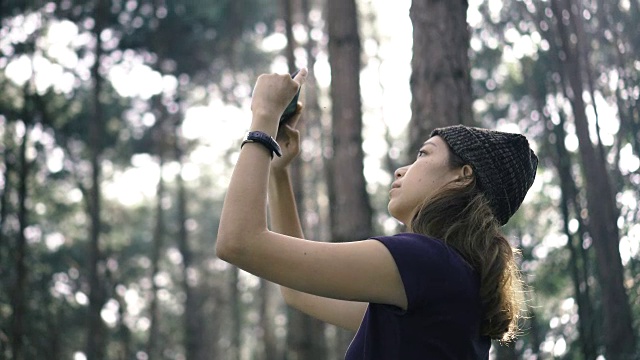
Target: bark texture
<point x="440" y="81"/>
<point x="350" y="210"/>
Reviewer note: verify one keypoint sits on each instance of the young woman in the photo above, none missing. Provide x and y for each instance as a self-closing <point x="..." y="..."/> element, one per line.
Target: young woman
<point x="441" y="290"/>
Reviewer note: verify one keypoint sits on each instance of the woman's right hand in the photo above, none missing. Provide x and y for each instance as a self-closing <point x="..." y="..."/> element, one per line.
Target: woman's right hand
<point x="289" y="140"/>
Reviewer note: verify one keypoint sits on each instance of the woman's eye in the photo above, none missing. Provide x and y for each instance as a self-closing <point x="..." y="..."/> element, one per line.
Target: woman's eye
<point x="421" y="153"/>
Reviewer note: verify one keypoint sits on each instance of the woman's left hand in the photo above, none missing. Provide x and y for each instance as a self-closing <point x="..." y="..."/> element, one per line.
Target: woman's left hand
<point x="289" y="140"/>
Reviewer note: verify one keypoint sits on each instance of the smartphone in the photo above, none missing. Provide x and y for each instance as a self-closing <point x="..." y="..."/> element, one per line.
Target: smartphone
<point x="291" y="108"/>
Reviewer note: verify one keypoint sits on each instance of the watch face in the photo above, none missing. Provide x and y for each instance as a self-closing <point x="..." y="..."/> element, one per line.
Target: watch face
<point x="258" y="136"/>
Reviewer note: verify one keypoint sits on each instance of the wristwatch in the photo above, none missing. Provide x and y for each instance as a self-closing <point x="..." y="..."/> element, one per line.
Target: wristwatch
<point x="264" y="139"/>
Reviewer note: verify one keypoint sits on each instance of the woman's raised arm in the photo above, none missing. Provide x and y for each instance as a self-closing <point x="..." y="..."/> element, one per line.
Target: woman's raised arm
<point x="361" y="271"/>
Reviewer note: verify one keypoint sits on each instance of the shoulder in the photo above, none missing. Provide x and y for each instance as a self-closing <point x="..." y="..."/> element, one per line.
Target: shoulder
<point x="425" y="253"/>
<point x="430" y="270"/>
<point x="412" y="243"/>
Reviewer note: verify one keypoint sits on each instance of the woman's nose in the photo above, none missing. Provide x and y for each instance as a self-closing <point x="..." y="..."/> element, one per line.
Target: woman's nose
<point x="400" y="172"/>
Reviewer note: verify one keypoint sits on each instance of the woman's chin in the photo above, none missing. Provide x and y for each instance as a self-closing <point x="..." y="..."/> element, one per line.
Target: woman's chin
<point x="393" y="211"/>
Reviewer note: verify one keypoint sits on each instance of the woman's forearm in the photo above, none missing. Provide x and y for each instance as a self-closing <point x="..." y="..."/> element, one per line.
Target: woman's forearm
<point x="283" y="212"/>
<point x="285" y="220"/>
<point x="244" y="215"/>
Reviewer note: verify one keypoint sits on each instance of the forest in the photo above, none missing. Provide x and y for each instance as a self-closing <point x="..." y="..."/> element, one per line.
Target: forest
<point x="121" y="120"/>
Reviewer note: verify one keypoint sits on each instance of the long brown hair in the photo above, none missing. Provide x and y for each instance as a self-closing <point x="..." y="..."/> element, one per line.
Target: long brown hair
<point x="459" y="214"/>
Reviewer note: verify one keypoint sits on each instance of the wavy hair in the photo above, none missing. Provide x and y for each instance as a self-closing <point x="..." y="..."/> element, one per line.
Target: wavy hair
<point x="459" y="214"/>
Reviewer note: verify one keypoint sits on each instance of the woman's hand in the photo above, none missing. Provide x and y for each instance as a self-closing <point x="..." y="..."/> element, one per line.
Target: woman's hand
<point x="289" y="140"/>
<point x="271" y="95"/>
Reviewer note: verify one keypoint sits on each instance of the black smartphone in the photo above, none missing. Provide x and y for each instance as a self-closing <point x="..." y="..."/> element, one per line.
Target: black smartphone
<point x="291" y="108"/>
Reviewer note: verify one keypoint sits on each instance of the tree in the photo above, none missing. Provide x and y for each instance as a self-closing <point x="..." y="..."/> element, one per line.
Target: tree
<point x="160" y="144"/>
<point x="96" y="339"/>
<point x="19" y="290"/>
<point x="559" y="103"/>
<point x="86" y="122"/>
<point x="601" y="204"/>
<point x="305" y="335"/>
<point x="350" y="210"/>
<point x="440" y="81"/>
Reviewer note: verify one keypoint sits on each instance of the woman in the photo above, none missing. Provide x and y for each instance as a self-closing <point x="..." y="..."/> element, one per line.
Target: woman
<point x="440" y="291"/>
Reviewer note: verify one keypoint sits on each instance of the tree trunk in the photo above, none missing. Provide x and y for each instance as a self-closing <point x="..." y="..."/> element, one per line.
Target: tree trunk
<point x="287" y="16"/>
<point x="96" y="332"/>
<point x="268" y="335"/>
<point x="18" y="295"/>
<point x="562" y="162"/>
<point x="440" y="81"/>
<point x="618" y="329"/>
<point x="610" y="17"/>
<point x="124" y="349"/>
<point x="194" y="328"/>
<point x="236" y="317"/>
<point x="578" y="264"/>
<point x="153" y="344"/>
<point x="350" y="210"/>
<point x="312" y="126"/>
<point x="304" y="344"/>
<point x="9" y="159"/>
<point x="305" y="335"/>
<point x="583" y="53"/>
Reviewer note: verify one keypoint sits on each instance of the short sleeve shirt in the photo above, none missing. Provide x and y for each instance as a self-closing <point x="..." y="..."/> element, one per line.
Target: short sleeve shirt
<point x="443" y="316"/>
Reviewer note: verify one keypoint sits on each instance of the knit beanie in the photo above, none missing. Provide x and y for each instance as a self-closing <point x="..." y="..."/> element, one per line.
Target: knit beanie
<point x="504" y="164"/>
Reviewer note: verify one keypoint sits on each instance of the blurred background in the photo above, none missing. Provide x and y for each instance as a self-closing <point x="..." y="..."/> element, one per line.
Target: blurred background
<point x="121" y="120"/>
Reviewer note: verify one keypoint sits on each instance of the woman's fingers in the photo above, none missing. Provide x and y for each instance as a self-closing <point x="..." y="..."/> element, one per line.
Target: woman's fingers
<point x="273" y="92"/>
<point x="291" y="133"/>
<point x="293" y="121"/>
<point x="287" y="135"/>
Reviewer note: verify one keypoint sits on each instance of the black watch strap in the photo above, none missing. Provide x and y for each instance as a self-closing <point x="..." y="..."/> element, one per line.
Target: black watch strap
<point x="263" y="138"/>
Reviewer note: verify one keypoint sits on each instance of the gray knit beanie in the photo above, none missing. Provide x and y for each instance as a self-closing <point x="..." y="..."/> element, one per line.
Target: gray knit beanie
<point x="504" y="164"/>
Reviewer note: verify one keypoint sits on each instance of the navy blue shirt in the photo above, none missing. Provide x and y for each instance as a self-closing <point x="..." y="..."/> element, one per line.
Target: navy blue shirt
<point x="443" y="316"/>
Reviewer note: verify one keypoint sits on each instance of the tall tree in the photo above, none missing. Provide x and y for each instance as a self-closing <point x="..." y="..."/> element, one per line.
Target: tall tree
<point x="305" y="335"/>
<point x="440" y="81"/>
<point x="571" y="39"/>
<point x="19" y="298"/>
<point x="235" y="303"/>
<point x="570" y="207"/>
<point x="8" y="165"/>
<point x="350" y="210"/>
<point x="68" y="273"/>
<point x="601" y="203"/>
<point x="159" y="137"/>
<point x="25" y="111"/>
<point x="580" y="282"/>
<point x="96" y="330"/>
<point x="193" y="324"/>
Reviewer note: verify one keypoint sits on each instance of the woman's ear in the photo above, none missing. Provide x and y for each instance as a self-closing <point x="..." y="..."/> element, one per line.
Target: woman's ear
<point x="467" y="171"/>
<point x="465" y="174"/>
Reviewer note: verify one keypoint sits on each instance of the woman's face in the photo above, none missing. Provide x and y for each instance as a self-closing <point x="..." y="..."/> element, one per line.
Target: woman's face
<point x="419" y="181"/>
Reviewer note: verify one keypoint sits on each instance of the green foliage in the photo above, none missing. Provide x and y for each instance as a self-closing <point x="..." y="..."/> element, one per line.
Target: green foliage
<point x="211" y="49"/>
<point x="518" y="79"/>
<point x="196" y="43"/>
